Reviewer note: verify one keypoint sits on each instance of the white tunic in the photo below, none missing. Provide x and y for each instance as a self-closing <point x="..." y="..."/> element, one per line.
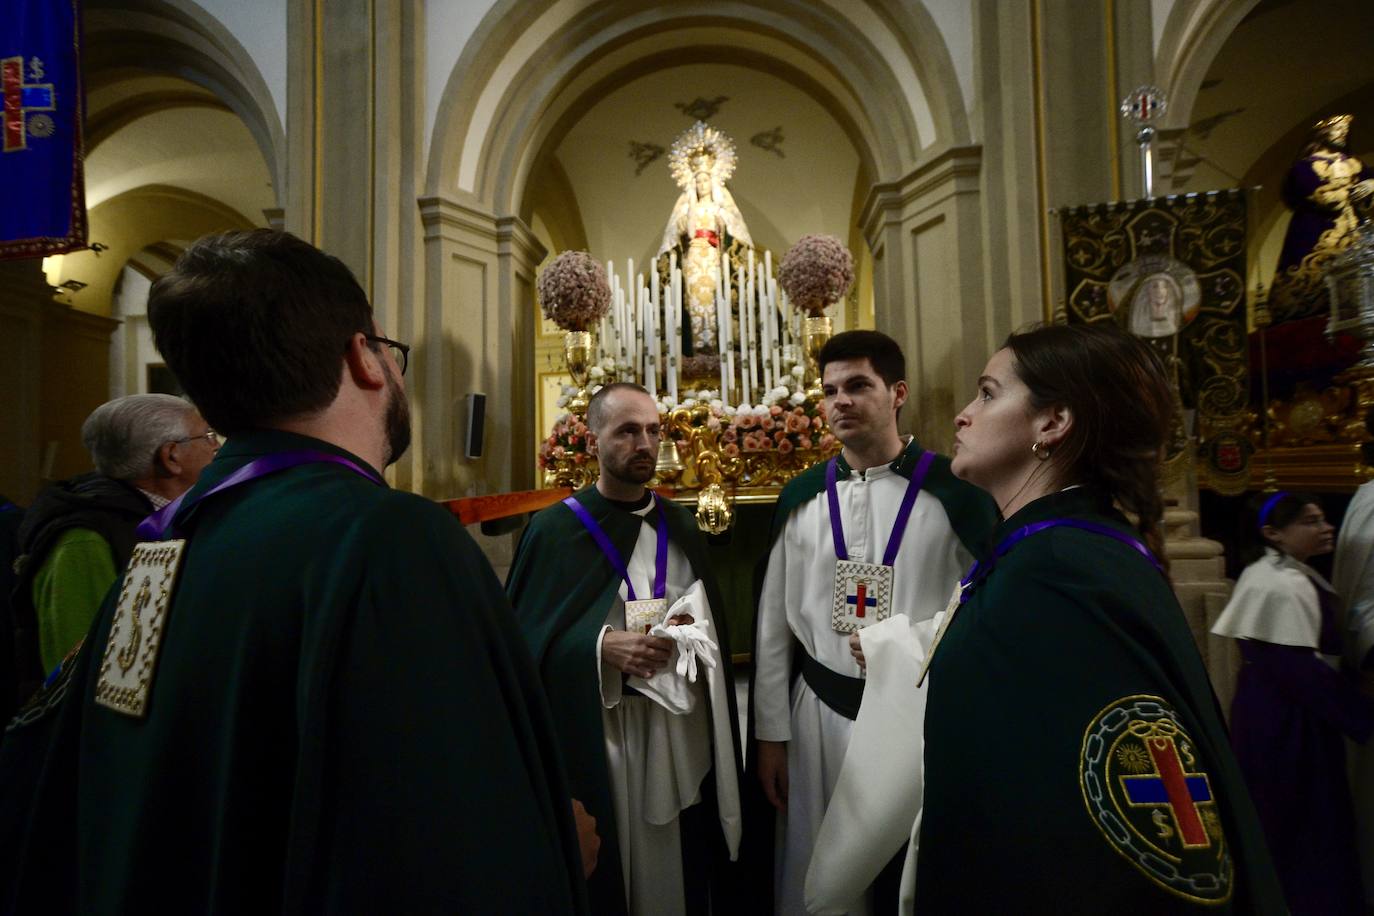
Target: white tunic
<point x="656" y="760"/>
<point x="797" y="599"/>
<point x="1353" y="576"/>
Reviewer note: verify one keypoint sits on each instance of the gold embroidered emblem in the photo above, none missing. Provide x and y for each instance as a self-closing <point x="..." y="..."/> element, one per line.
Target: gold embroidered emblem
<point x="126" y="669"/>
<point x="1148" y="793"/>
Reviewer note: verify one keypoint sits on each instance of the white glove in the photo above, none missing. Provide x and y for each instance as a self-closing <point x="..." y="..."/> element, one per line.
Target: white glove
<point x="692" y="642"/>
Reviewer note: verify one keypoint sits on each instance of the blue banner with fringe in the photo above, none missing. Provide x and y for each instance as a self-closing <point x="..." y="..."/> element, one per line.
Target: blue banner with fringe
<point x="44" y="210"/>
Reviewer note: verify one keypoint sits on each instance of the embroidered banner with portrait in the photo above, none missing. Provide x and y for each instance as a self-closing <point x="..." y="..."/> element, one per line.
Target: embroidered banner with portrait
<point x="1172" y="270"/>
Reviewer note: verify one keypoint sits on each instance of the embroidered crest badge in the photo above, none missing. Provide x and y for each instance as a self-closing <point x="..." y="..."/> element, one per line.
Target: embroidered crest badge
<point x="643" y="614"/>
<point x="1147" y="792"/>
<point x="126" y="669"/>
<point x="863" y="595"/>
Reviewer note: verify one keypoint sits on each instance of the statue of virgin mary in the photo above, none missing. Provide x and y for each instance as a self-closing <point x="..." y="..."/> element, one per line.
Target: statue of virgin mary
<point x="704" y="222"/>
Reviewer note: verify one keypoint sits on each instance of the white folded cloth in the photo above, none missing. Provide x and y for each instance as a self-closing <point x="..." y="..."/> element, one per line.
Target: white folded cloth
<point x="670" y="686"/>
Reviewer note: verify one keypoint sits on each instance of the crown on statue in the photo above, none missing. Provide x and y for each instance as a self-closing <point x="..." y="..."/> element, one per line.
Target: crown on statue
<point x="1340" y="120"/>
<point x="701" y="147"/>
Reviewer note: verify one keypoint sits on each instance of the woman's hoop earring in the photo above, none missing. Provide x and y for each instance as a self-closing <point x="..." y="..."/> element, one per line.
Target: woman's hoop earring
<point x="1041" y="451"/>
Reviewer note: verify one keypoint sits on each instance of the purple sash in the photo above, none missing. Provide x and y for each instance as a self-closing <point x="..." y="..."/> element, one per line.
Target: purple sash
<point x="607" y="548"/>
<point x="158" y="526"/>
<point x="980" y="570"/>
<point x="894" y="540"/>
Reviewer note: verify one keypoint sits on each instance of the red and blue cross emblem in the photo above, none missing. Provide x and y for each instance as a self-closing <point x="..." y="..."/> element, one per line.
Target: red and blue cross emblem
<point x="861" y="598"/>
<point x="1172" y="786"/>
<point x="20" y="98"/>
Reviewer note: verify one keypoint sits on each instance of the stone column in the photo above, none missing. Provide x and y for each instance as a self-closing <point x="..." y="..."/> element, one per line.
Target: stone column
<point x="24" y="294"/>
<point x="924" y="230"/>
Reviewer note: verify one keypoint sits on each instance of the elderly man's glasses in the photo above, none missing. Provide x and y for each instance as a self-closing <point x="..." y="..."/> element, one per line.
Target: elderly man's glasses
<point x="399" y="350"/>
<point x="209" y="436"/>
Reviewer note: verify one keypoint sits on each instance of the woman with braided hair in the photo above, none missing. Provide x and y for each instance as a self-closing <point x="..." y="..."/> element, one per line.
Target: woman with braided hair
<point x="1075" y="758"/>
<point x="1293" y="706"/>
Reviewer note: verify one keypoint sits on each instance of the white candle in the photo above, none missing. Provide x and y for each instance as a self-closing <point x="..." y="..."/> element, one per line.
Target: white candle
<point x="651" y="326"/>
<point x="674" y="343"/>
<point x="720" y="342"/>
<point x="777" y="335"/>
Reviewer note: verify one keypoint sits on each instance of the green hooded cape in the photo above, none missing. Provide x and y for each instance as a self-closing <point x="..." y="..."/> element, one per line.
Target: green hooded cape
<point x="562" y="588"/>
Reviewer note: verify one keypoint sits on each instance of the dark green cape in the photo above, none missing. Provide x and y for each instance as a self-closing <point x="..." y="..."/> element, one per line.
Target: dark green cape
<point x="1068" y="625"/>
<point x="343" y="719"/>
<point x="562" y="587"/>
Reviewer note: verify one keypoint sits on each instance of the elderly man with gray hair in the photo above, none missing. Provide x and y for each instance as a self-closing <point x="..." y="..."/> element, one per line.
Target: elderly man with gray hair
<point x="148" y="449"/>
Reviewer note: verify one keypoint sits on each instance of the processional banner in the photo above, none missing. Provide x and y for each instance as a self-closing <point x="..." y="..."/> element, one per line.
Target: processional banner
<point x="1172" y="270"/>
<point x="44" y="210"/>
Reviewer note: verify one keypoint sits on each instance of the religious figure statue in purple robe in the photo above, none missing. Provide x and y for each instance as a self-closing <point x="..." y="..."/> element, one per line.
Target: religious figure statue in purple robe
<point x="1328" y="191"/>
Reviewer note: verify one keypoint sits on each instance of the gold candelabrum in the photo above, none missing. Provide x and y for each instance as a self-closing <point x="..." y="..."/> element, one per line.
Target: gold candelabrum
<point x="577" y="350"/>
<point x="816" y="330"/>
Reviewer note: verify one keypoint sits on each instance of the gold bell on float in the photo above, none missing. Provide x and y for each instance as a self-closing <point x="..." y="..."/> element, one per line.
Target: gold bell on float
<point x="669" y="466"/>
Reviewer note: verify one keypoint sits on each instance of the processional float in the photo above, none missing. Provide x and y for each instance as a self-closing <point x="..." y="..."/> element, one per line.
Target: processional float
<point x="727" y="348"/>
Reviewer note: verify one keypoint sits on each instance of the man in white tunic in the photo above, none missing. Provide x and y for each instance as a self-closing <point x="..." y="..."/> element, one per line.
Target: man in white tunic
<point x="1353" y="578"/>
<point x="613" y="591"/>
<point x="907" y="529"/>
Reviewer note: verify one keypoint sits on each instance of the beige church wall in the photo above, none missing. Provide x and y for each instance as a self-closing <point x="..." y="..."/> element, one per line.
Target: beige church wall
<point x="130" y="222"/>
<point x="74" y="380"/>
<point x="24" y="299"/>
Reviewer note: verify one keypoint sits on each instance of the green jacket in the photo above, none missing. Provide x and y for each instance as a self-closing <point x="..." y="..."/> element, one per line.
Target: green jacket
<point x="562" y="587"/>
<point x="1075" y="757"/>
<point x="342" y="719"/>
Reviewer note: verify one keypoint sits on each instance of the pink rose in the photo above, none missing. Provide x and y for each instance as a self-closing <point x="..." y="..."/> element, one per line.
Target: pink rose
<point x="803" y="442"/>
<point x="785" y="447"/>
<point x="797" y="424"/>
<point x="574" y="440"/>
<point x="766" y="424"/>
<point x="730" y="435"/>
<point x="745" y="421"/>
<point x="799" y="411"/>
<point x="779" y="435"/>
<point x="559" y="451"/>
<point x="713" y="422"/>
<point x="775" y="410"/>
<point x="816" y="423"/>
<point x="731" y="450"/>
<point x="827" y="441"/>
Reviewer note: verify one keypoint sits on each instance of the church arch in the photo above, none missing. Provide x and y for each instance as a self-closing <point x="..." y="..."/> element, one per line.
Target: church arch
<point x="1193" y="35"/>
<point x="125" y="38"/>
<point x="520" y="74"/>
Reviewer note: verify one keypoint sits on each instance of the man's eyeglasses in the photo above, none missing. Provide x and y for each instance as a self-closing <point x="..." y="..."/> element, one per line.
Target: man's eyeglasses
<point x="209" y="436"/>
<point x="400" y="350"/>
